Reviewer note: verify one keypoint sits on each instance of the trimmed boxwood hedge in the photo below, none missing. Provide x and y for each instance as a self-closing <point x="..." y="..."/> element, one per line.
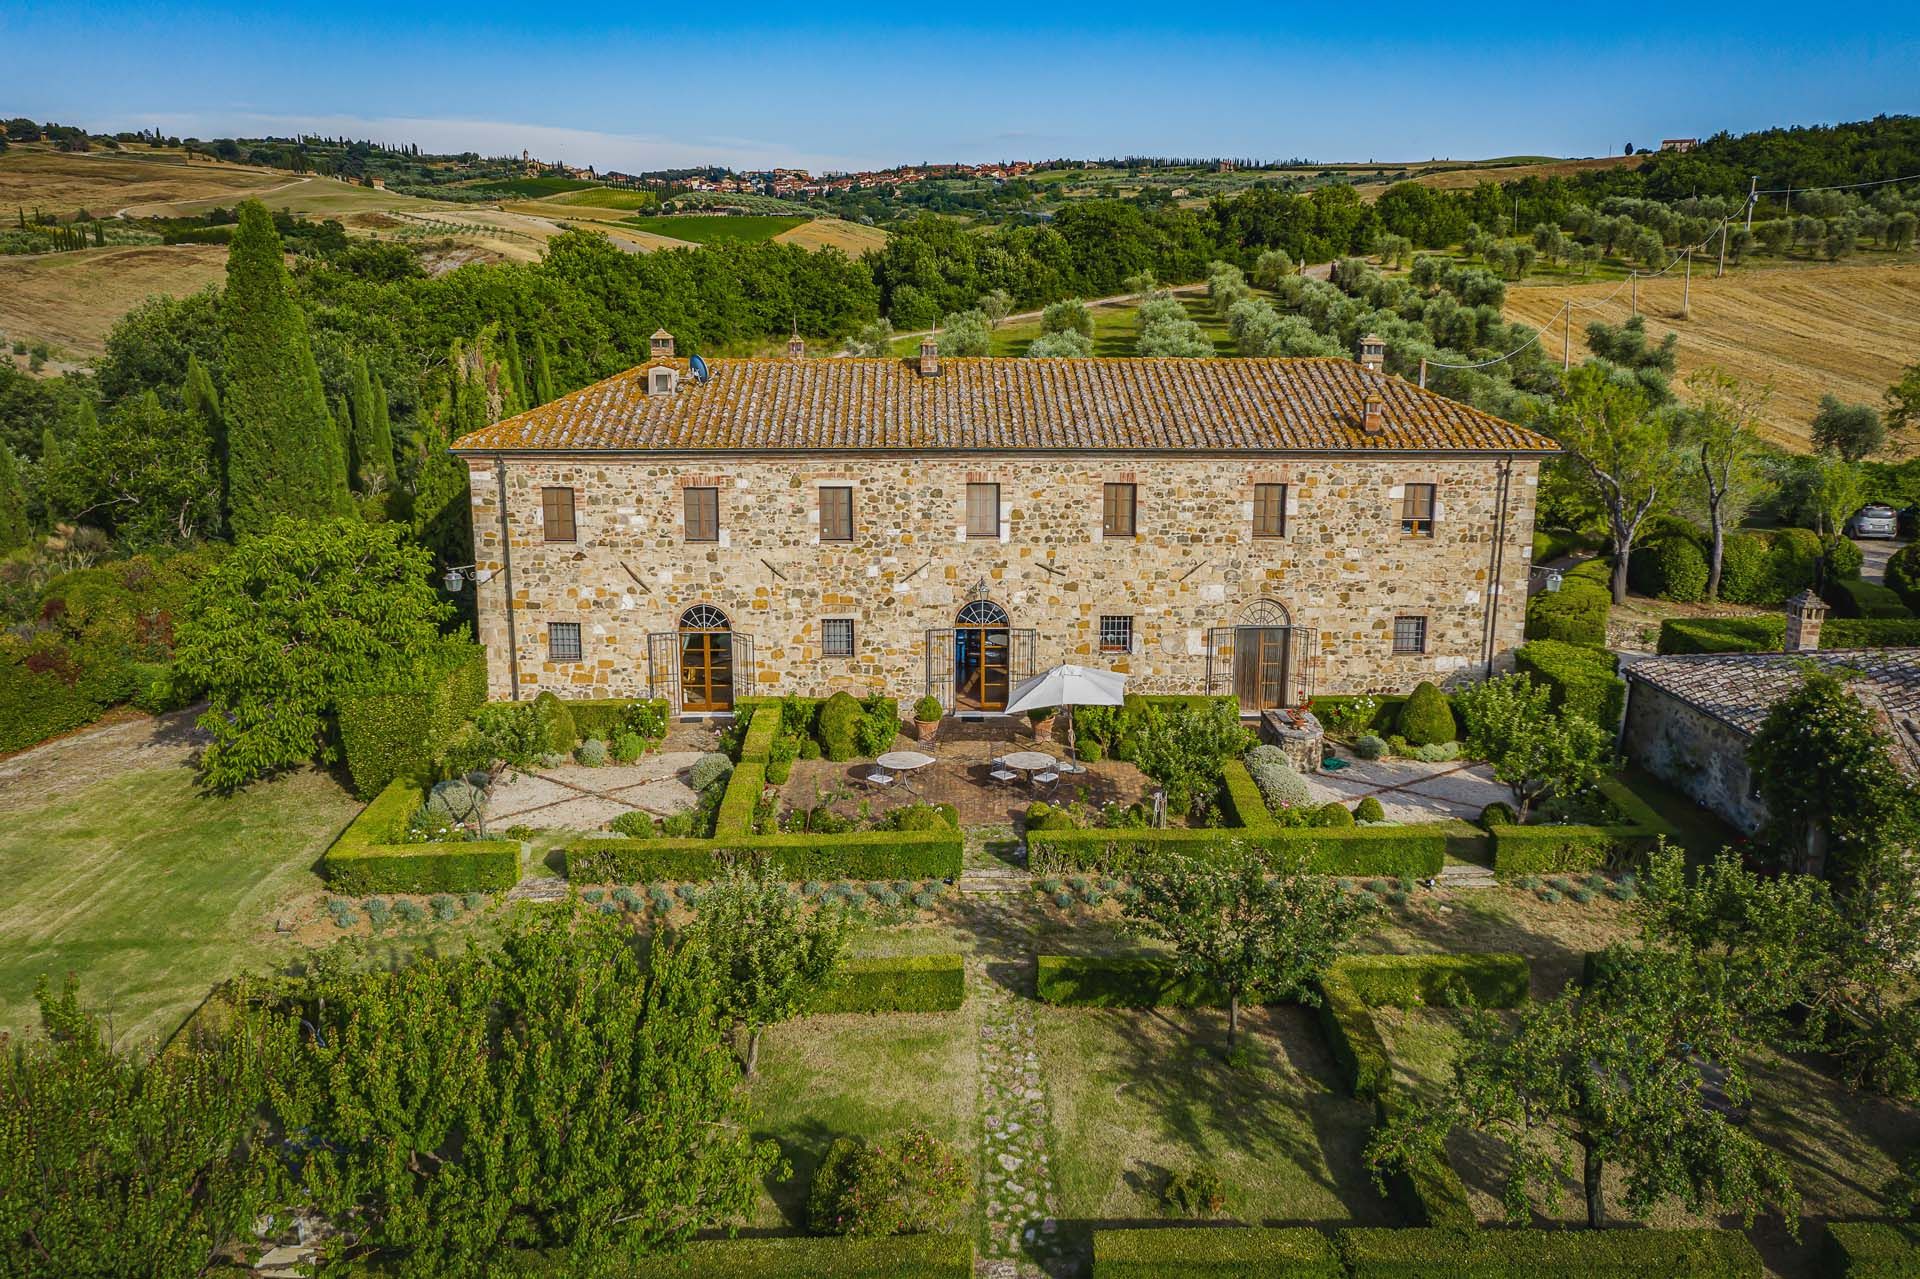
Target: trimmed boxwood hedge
<point x="762" y="728"/>
<point x="1416" y="850"/>
<point x="737" y="802"/>
<point x="401" y="726"/>
<point x="1581" y="680"/>
<point x="1121" y="981"/>
<point x="1375" y="1253"/>
<point x="1298" y="1252"/>
<point x="1547" y="850"/>
<point x="1870" y="1250"/>
<point x="792" y="1257"/>
<point x="601" y="716"/>
<point x="365" y="860"/>
<point x="896" y="984"/>
<point x="1852" y="597"/>
<point x="1870" y="632"/>
<point x="1359" y="1054"/>
<point x="1245" y="806"/>
<point x="1722" y="634"/>
<point x="1491" y="980"/>
<point x="871" y="854"/>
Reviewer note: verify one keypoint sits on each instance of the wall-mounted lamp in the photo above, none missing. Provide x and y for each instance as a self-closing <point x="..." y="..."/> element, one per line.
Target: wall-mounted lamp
<point x="456" y="578"/>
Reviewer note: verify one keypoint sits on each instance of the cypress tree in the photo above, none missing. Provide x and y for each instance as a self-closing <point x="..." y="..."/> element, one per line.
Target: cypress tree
<point x="542" y="371"/>
<point x="365" y="460"/>
<point x="283" y="448"/>
<point x="382" y="436"/>
<point x="516" y="371"/>
<point x="202" y="401"/>
<point x="14" y="529"/>
<point x="343" y="431"/>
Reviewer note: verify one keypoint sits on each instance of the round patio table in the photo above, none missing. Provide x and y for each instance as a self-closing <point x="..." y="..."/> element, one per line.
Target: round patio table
<point x="904" y="762"/>
<point x="1029" y="761"/>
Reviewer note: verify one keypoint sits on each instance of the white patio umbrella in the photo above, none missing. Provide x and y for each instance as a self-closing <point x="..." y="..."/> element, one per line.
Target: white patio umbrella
<point x="1069" y="686"/>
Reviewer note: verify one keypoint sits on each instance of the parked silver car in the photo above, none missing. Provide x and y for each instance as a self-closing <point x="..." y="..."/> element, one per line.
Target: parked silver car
<point x="1874" y="521"/>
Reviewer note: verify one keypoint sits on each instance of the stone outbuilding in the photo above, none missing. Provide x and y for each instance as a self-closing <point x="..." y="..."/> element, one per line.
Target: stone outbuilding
<point x="705" y="530"/>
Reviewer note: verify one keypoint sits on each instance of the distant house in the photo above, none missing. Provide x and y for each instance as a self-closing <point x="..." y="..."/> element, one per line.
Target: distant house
<point x="1679" y="144"/>
<point x="1692" y="717"/>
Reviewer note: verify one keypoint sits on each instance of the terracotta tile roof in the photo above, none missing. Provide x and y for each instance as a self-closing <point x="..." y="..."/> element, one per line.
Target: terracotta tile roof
<point x="1011" y="405"/>
<point x="1740" y="688"/>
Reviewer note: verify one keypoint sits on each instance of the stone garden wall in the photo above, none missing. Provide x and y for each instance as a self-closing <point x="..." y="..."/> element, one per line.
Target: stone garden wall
<point x="1694" y="752"/>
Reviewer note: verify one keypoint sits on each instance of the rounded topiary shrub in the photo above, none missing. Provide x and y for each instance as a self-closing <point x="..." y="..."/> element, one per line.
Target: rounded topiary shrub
<point x="1496" y="814"/>
<point x="1844" y="559"/>
<point x="1369" y="810"/>
<point x="1791" y="559"/>
<point x="709" y="769"/>
<point x="556" y="723"/>
<point x="455" y="802"/>
<point x="1746" y="573"/>
<point x="1370" y="747"/>
<point x="1427" y="717"/>
<point x="1044" y="816"/>
<point x="1332" y="813"/>
<point x="1674" y="568"/>
<point x="927" y="710"/>
<point x="840" y="726"/>
<point x="592" y="753"/>
<point x="1903" y="574"/>
<point x="636" y="824"/>
<point x="628" y="747"/>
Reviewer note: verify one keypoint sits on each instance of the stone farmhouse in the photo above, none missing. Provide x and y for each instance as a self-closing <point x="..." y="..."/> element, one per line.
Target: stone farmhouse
<point x="709" y="530"/>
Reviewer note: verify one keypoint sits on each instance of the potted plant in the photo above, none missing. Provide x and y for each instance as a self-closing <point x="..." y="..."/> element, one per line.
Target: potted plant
<point x="1042" y="717"/>
<point x="926" y="718"/>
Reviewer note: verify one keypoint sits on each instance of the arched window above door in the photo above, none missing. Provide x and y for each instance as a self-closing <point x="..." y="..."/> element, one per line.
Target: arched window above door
<point x="1264" y="612"/>
<point x="981" y="613"/>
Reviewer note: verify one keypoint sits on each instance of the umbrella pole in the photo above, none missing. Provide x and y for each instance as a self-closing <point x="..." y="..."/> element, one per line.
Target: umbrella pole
<point x="1073" y="737"/>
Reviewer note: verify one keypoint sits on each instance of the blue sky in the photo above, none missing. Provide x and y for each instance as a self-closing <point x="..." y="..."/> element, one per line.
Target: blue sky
<point x="848" y="85"/>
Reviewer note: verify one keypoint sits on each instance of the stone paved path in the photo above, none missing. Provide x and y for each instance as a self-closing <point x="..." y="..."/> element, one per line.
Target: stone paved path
<point x="1018" y="1197"/>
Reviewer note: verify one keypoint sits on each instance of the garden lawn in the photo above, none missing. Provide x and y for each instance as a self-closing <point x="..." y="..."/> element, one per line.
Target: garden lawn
<point x="865" y="1075"/>
<point x="1139" y="1094"/>
<point x="151" y="892"/>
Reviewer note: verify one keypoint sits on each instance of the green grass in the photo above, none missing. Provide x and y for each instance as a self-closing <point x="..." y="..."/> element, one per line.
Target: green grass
<point x="151" y="892"/>
<point x="608" y="198"/>
<point x="716" y="228"/>
<point x="1701" y="833"/>
<point x="822" y="1078"/>
<point x="1136" y="1095"/>
<point x="532" y="188"/>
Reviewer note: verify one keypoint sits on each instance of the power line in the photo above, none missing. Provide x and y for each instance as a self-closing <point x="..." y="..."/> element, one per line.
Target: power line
<point x="1845" y="186"/>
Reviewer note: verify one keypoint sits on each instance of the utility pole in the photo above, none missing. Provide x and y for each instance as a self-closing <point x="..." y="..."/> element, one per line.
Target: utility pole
<point x="1753" y="198"/>
<point x="1633" y="278"/>
<point x="1423" y="372"/>
<point x="1566" y="337"/>
<point x="1686" y="290"/>
<point x="1723" y="249"/>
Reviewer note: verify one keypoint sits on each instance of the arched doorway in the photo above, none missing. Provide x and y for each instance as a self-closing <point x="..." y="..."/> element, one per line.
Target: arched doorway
<point x="1262" y="656"/>
<point x="706" y="660"/>
<point x="982" y="656"/>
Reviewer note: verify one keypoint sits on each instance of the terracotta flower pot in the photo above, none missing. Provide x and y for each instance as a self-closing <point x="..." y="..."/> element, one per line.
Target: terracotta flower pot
<point x="924" y="729"/>
<point x="1043" y="729"/>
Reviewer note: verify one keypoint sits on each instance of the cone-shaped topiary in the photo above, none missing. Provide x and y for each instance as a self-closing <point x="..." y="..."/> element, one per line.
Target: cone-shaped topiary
<point x="839" y="726"/>
<point x="557" y="723"/>
<point x="1427" y="719"/>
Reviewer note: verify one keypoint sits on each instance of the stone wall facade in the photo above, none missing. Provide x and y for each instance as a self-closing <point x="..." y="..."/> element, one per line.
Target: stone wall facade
<point x="1690" y="750"/>
<point x="1344" y="566"/>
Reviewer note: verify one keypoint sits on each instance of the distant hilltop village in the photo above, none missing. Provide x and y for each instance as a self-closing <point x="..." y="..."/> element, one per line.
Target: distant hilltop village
<point x="802" y="182"/>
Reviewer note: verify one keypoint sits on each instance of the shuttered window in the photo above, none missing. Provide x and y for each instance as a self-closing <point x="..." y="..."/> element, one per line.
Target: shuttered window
<point x="1416" y="510"/>
<point x="836" y="515"/>
<point x="1116" y="510"/>
<point x="556" y="514"/>
<point x="703" y="515"/>
<point x="983" y="510"/>
<point x="1269" y="510"/>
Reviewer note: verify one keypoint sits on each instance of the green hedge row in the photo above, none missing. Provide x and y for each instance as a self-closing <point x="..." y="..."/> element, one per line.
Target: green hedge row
<point x="601" y="716"/>
<point x="737" y="803"/>
<point x="788" y="1257"/>
<point x="1870" y="632"/>
<point x="1359" y="1054"/>
<point x="401" y="726"/>
<point x="1245" y="806"/>
<point x="364" y="859"/>
<point x="1299" y="1252"/>
<point x="1768" y="634"/>
<point x="1120" y="981"/>
<point x="1577" y="612"/>
<point x="873" y="854"/>
<point x="1853" y="597"/>
<point x="1549" y="850"/>
<point x="1486" y="980"/>
<point x="36" y="705"/>
<point x="896" y="984"/>
<point x="762" y="728"/>
<point x="1376" y="1253"/>
<point x="1871" y="1250"/>
<point x="1580" y="679"/>
<point x="1417" y="850"/>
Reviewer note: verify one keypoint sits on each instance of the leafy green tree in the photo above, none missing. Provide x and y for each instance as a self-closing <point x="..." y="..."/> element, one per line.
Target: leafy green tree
<point x="996" y="305"/>
<point x="294" y="617"/>
<point x="770" y="953"/>
<point x="559" y="1090"/>
<point x="1606" y="427"/>
<point x="150" y="1162"/>
<point x="543" y="390"/>
<point x="1166" y="330"/>
<point x="282" y="454"/>
<point x="1540" y="753"/>
<point x="1240" y="930"/>
<point x="1838" y="490"/>
<point x="145" y="473"/>
<point x="1620" y="1072"/>
<point x="873" y="341"/>
<point x="1903" y="400"/>
<point x="1068" y="315"/>
<point x="1269" y="267"/>
<point x="15" y="528"/>
<point x="1718" y="431"/>
<point x="1853" y="431"/>
<point x="1065" y="344"/>
<point x="965" y="333"/>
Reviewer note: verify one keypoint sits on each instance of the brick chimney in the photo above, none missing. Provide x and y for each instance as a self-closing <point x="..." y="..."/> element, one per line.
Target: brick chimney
<point x="662" y="343"/>
<point x="796" y="348"/>
<point x="1373" y="417"/>
<point x="1373" y="353"/>
<point x="929" y="357"/>
<point x="1805" y="612"/>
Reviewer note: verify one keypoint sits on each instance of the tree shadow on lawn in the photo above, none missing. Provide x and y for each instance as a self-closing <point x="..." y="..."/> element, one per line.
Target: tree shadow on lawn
<point x="1555" y="938"/>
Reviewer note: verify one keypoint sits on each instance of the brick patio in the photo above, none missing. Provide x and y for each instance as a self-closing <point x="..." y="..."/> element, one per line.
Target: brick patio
<point x="964" y="750"/>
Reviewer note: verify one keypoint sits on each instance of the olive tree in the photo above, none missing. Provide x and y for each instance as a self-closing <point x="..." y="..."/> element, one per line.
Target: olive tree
<point x="771" y="953"/>
<point x="1718" y="432"/>
<point x="1607" y="428"/>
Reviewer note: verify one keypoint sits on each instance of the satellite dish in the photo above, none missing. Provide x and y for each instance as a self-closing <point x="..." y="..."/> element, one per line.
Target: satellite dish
<point x="699" y="368"/>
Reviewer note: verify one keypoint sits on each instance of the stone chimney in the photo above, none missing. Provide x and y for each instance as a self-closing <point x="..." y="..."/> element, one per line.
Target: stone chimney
<point x="662" y="343"/>
<point x="1373" y="353"/>
<point x="796" y="348"/>
<point x="929" y="357"/>
<point x="1373" y="417"/>
<point x="1805" y="612"/>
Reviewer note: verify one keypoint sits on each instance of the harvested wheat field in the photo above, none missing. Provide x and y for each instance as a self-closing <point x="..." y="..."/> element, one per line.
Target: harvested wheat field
<point x="1472" y="176"/>
<point x="851" y="238"/>
<point x="103" y="183"/>
<point x="71" y="300"/>
<point x="1810" y="331"/>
